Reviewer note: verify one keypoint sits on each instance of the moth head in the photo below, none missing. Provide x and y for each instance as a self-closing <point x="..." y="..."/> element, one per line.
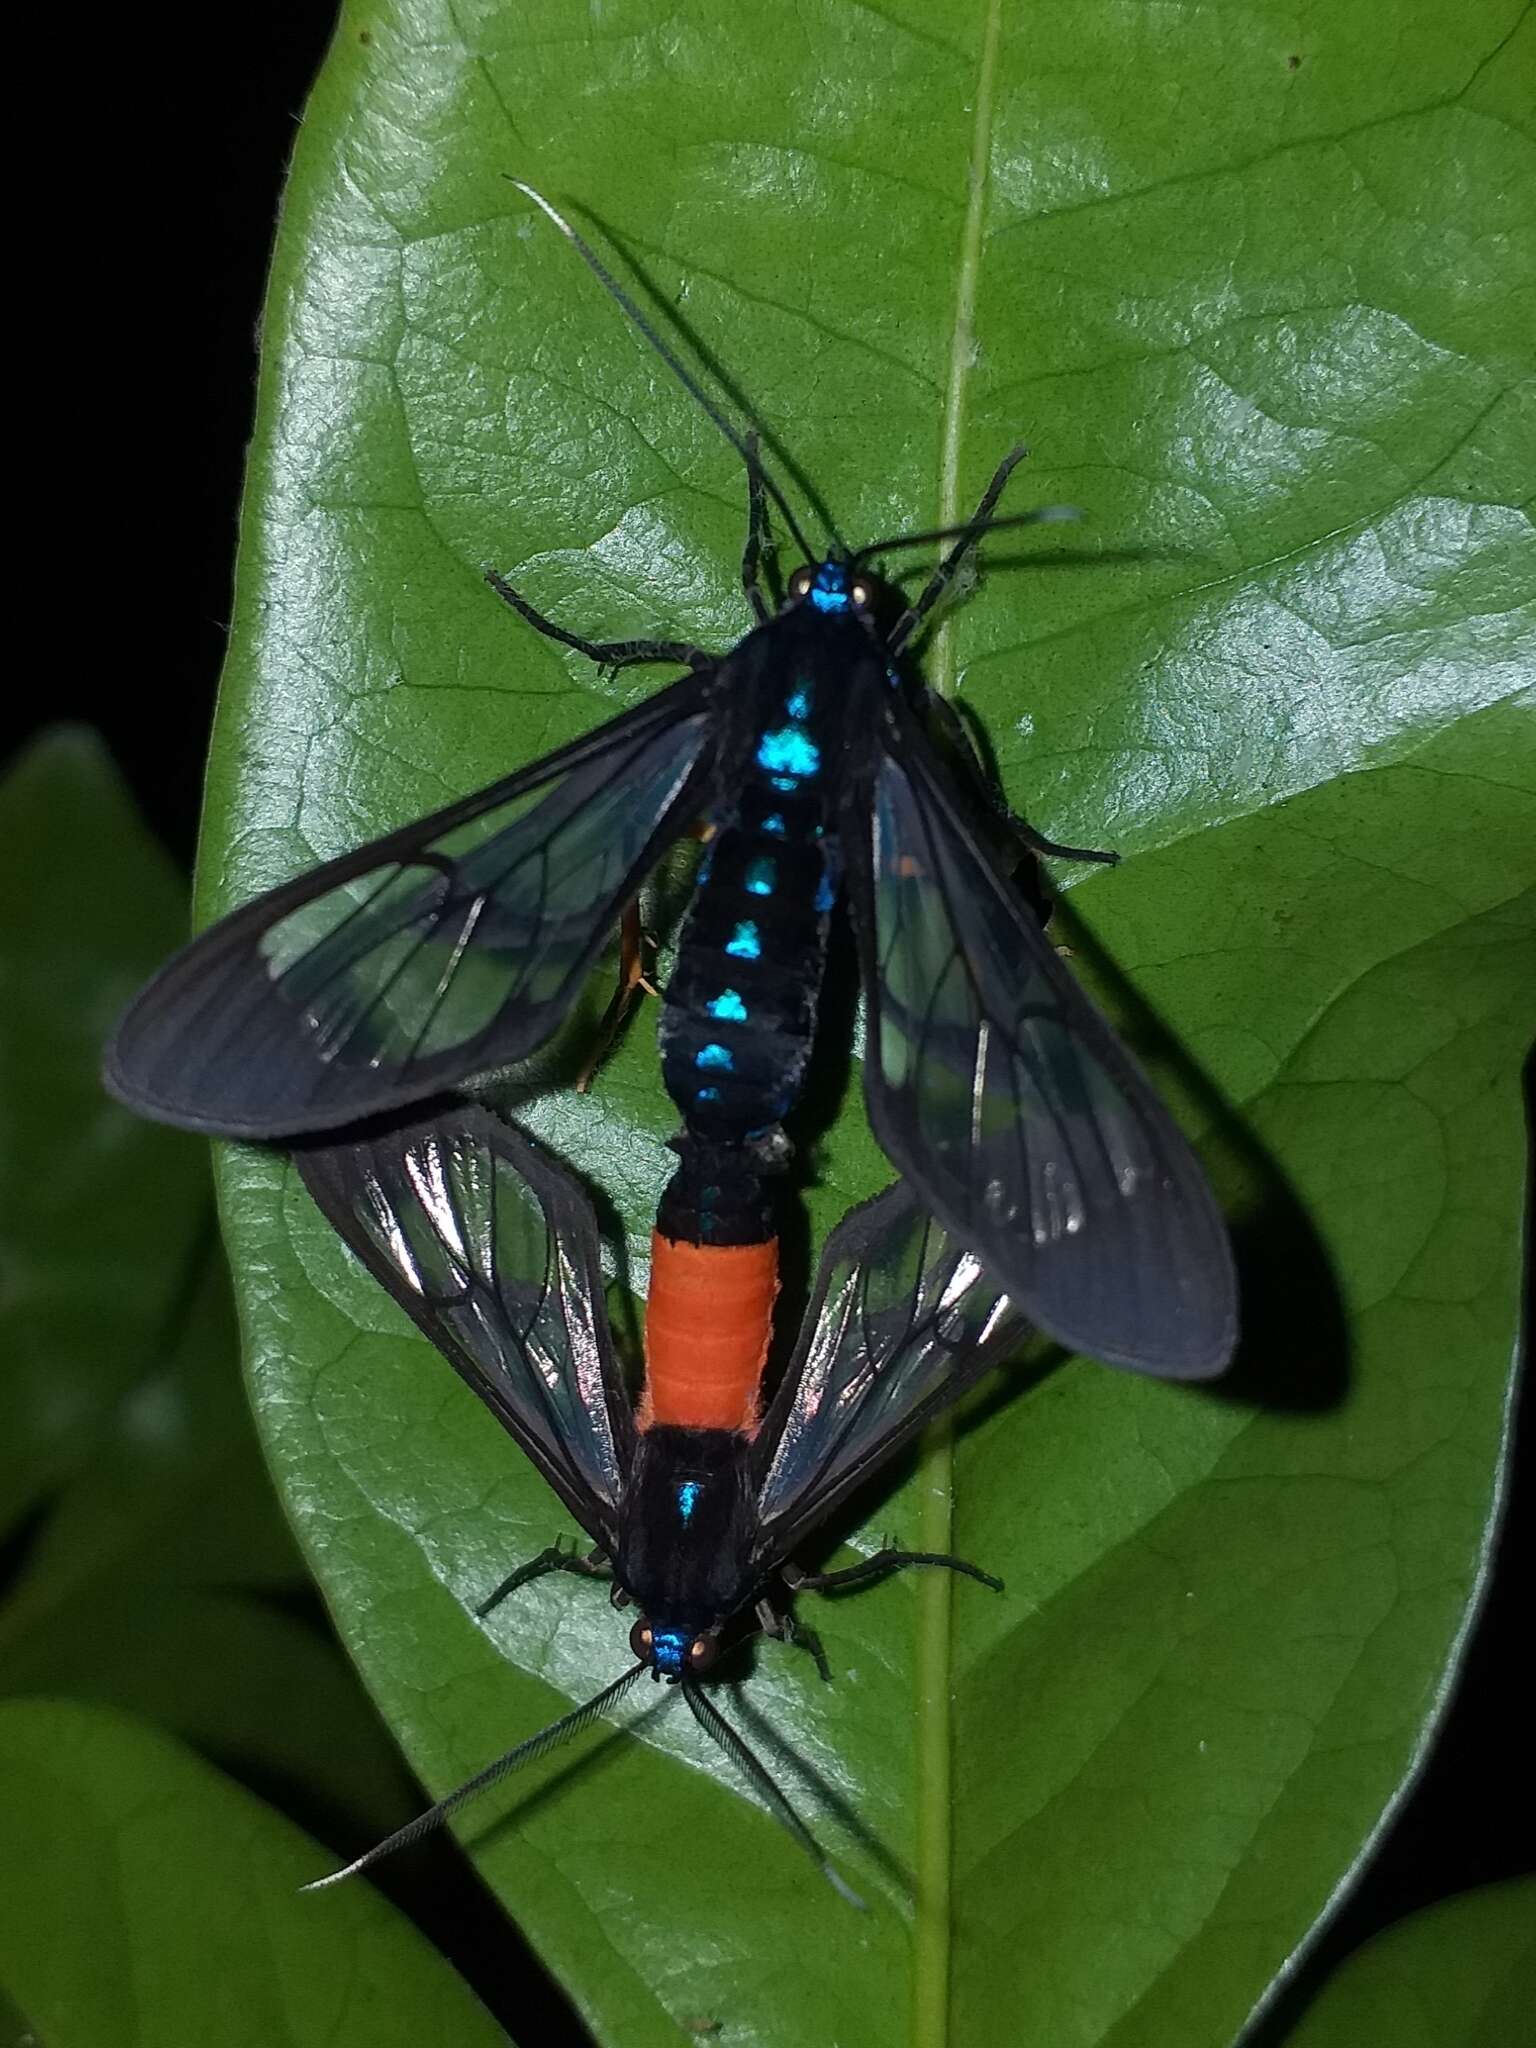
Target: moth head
<point x="835" y="586"/>
<point x="671" y="1652"/>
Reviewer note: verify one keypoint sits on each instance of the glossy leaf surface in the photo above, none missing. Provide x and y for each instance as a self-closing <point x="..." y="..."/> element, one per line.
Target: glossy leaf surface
<point x="1251" y="289"/>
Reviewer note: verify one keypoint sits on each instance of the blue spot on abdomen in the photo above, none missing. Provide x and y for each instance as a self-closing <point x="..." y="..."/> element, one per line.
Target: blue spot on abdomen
<point x="789" y="750"/>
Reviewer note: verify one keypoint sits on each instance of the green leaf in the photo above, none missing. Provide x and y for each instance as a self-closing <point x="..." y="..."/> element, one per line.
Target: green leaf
<point x="145" y="1899"/>
<point x="154" y="1519"/>
<point x="16" y="2030"/>
<point x="1461" y="1974"/>
<point x="106" y="1216"/>
<point x="1254" y="290"/>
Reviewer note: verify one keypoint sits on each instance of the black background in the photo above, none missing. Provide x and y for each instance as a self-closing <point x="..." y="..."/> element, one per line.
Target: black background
<point x="167" y="250"/>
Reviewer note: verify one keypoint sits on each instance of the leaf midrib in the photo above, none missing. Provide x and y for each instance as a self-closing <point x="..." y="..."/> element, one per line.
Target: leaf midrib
<point x="933" y="1673"/>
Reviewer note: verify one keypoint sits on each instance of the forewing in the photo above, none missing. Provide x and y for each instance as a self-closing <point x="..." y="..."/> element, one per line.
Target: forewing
<point x="452" y="947"/>
<point x="1002" y="1094"/>
<point x="492" y="1251"/>
<point x="901" y="1321"/>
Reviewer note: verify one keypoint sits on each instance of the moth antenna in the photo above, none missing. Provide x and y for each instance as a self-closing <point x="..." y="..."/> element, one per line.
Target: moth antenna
<point x="536" y="1745"/>
<point x="1043" y="515"/>
<point x="673" y="361"/>
<point x="715" y="1725"/>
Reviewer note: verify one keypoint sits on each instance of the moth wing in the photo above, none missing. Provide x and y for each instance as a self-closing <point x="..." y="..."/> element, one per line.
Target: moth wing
<point x="1006" y="1099"/>
<point x="492" y="1251"/>
<point x="446" y="949"/>
<point x="901" y="1321"/>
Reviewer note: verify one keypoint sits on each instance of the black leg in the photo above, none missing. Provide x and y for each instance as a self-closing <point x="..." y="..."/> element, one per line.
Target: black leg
<point x="554" y="1559"/>
<point x="949" y="568"/>
<point x="947" y="715"/>
<point x="1053" y="849"/>
<point x="606" y="653"/>
<point x="785" y="1629"/>
<point x="880" y="1566"/>
<point x="759" y="540"/>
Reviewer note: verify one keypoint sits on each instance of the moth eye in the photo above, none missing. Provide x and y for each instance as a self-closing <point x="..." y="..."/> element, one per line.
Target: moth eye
<point x="862" y="594"/>
<point x="800" y="583"/>
<point x="702" y="1652"/>
<point x="641" y="1640"/>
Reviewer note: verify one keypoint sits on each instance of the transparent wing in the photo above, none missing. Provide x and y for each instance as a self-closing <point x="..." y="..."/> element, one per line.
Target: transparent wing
<point x="901" y="1321"/>
<point x="492" y="1251"/>
<point x="449" y="948"/>
<point x="1002" y="1094"/>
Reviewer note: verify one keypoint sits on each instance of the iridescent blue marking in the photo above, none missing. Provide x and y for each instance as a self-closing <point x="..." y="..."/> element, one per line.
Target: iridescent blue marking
<point x="788" y="751"/>
<point x="706" y="1094"/>
<point x="744" y="943"/>
<point x="717" y="1057"/>
<point x="729" y="1006"/>
<point x="829" y="593"/>
<point x="799" y="701"/>
<point x="788" y="783"/>
<point x="761" y="875"/>
<point x="669" y="1650"/>
<point x="826" y="896"/>
<point x="687" y="1495"/>
<point x="775" y="824"/>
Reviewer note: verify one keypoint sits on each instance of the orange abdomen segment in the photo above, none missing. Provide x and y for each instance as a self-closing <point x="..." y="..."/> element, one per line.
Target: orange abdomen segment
<point x="707" y="1326"/>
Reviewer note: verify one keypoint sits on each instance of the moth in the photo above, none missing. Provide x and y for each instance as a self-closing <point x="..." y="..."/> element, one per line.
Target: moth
<point x="821" y="769"/>
<point x="696" y="1496"/>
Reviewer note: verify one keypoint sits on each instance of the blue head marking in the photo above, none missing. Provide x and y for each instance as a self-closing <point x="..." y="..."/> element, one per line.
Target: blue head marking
<point x="728" y="1007"/>
<point x="716" y="1056"/>
<point x="744" y="943"/>
<point x="829" y="593"/>
<point x="669" y="1650"/>
<point x="774" y="823"/>
<point x="798" y="703"/>
<point x="706" y="1094"/>
<point x="788" y="751"/>
<point x="761" y="875"/>
<point x="687" y="1496"/>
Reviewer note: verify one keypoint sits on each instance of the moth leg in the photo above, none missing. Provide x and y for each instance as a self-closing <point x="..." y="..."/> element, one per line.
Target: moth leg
<point x="593" y="1566"/>
<point x="964" y="742"/>
<point x="606" y="653"/>
<point x="880" y="1566"/>
<point x="759" y="540"/>
<point x="633" y="945"/>
<point x="785" y="1629"/>
<point x="949" y="568"/>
